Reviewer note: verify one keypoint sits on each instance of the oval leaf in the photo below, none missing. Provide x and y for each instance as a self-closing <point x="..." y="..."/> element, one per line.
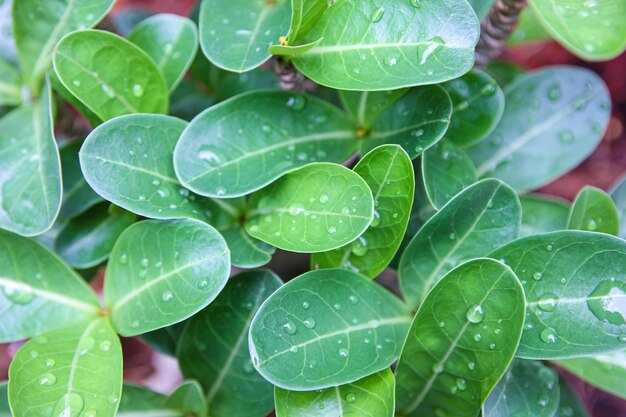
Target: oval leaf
<point x="606" y="372"/>
<point x="78" y="196"/>
<point x="542" y="214"/>
<point x="593" y="210"/>
<point x="618" y="194"/>
<point x="246" y="251"/>
<point x="364" y="107"/>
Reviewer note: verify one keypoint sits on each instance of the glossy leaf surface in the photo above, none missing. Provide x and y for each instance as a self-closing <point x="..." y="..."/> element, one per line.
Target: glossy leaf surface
<point x="10" y="84"/>
<point x="78" y="196"/>
<point x="542" y="214"/>
<point x="606" y="372"/>
<point x="189" y="398"/>
<point x="618" y="194"/>
<point x="246" y="251"/>
<point x="593" y="210"/>
<point x="304" y="16"/>
<point x="364" y="107"/>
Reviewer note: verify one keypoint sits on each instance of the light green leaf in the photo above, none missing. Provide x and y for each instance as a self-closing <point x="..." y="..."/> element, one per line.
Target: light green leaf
<point x="249" y="141"/>
<point x="304" y="15"/>
<point x="461" y="342"/>
<point x="575" y="284"/>
<point x="189" y="398"/>
<point x="559" y="111"/>
<point x="593" y="210"/>
<point x="388" y="172"/>
<point x="481" y="7"/>
<point x="78" y="196"/>
<point x="5" y="410"/>
<point x="317" y="208"/>
<point x="364" y="107"/>
<point x="606" y="372"/>
<point x="447" y="171"/>
<point x="372" y="396"/>
<point x="542" y="214"/>
<point x="162" y="272"/>
<point x="235" y="34"/>
<point x="70" y="98"/>
<point x="10" y="84"/>
<point x="171" y="41"/>
<point x="76" y="370"/>
<point x="529" y="29"/>
<point x="246" y="251"/>
<point x="416" y="121"/>
<point x="569" y="403"/>
<point x="39" y="25"/>
<point x="110" y="75"/>
<point x="477" y="220"/>
<point x="618" y="194"/>
<point x="326" y="328"/>
<point x="7" y="43"/>
<point x="384" y="45"/>
<point x="30" y="179"/>
<point x="292" y="51"/>
<point x="39" y="292"/>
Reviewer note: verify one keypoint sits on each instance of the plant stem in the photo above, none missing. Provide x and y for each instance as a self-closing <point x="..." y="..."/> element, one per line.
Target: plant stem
<point x="496" y="28"/>
<point x="289" y="77"/>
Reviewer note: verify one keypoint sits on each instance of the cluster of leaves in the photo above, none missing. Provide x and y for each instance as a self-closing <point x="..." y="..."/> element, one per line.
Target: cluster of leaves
<point x="492" y="280"/>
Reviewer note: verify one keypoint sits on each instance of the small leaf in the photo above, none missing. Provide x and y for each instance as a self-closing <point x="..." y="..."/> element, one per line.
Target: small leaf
<point x="71" y="371"/>
<point x="365" y="106"/>
<point x="246" y="143"/>
<point x="5" y="410"/>
<point x="326" y="328"/>
<point x="142" y="401"/>
<point x="304" y="15"/>
<point x="10" y="84"/>
<point x="162" y="272"/>
<point x="593" y="210"/>
<point x="78" y="196"/>
<point x="529" y="29"/>
<point x="110" y="75"/>
<point x="317" y="208"/>
<point x="606" y="372"/>
<point x="165" y="339"/>
<point x="618" y="194"/>
<point x="189" y="398"/>
<point x="372" y="396"/>
<point x="569" y="403"/>
<point x="542" y="214"/>
<point x="461" y="342"/>
<point x="246" y="251"/>
<point x="292" y="51"/>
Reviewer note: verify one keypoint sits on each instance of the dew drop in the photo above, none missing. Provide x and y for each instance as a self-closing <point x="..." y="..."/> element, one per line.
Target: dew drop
<point x="108" y="91"/>
<point x="478" y="337"/>
<point x="47" y="379"/>
<point x="309" y="323"/>
<point x="50" y="363"/>
<point x="353" y="299"/>
<point x="248" y="367"/>
<point x="137" y="90"/>
<point x="359" y="247"/>
<point x="290" y="327"/>
<point x="548" y="336"/>
<point x="537" y="276"/>
<point x="608" y="302"/>
<point x="377" y="14"/>
<point x="548" y="302"/>
<point x="76" y="83"/>
<point x="437" y="368"/>
<point x="471" y="366"/>
<point x="461" y="384"/>
<point x="332" y="230"/>
<point x="475" y="314"/>
<point x="343" y="352"/>
<point x="492" y="346"/>
<point x="19" y="295"/>
<point x="296" y="102"/>
<point x="377" y="220"/>
<point x="104" y="346"/>
<point x="592" y="225"/>
<point x="554" y="92"/>
<point x="351" y="397"/>
<point x="305" y="305"/>
<point x="566" y="136"/>
<point x="337" y="306"/>
<point x="391" y="61"/>
<point x="416" y="3"/>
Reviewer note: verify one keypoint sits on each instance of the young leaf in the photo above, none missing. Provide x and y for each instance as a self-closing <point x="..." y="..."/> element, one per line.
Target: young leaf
<point x="575" y="284"/>
<point x="372" y="396"/>
<point x="556" y="111"/>
<point x="165" y="339"/>
<point x="214" y="348"/>
<point x="416" y="121"/>
<point x="606" y="372"/>
<point x="39" y="292"/>
<point x="71" y="371"/>
<point x="10" y="84"/>
<point x="87" y="240"/>
<point x="364" y="107"/>
<point x="618" y="194"/>
<point x="304" y="15"/>
<point x="78" y="196"/>
<point x="246" y="251"/>
<point x="188" y="398"/>
<point x="528" y="388"/>
<point x="235" y="34"/>
<point x="162" y="272"/>
<point x="447" y="171"/>
<point x="110" y="75"/>
<point x="30" y="182"/>
<point x="292" y="51"/>
<point x="247" y="142"/>
<point x="569" y="404"/>
<point x="172" y="43"/>
<point x="140" y="401"/>
<point x="39" y="25"/>
<point x="317" y="208"/>
<point x="593" y="210"/>
<point x="388" y="172"/>
<point x="461" y="342"/>
<point x="542" y="214"/>
<point x="326" y="328"/>
<point x="480" y="218"/>
<point x="390" y="44"/>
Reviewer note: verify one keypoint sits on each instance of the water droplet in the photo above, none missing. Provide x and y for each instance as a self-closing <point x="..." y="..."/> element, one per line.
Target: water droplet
<point x="391" y="60"/>
<point x="548" y="336"/>
<point x="537" y="276"/>
<point x="475" y="314"/>
<point x="296" y="209"/>
<point x="104" y="346"/>
<point x="563" y="280"/>
<point x="69" y="405"/>
<point x="137" y="90"/>
<point x="353" y="299"/>
<point x="461" y="384"/>
<point x="266" y="128"/>
<point x="50" y="363"/>
<point x="296" y="102"/>
<point x="554" y="92"/>
<point x="86" y="345"/>
<point x="108" y="91"/>
<point x="376" y="220"/>
<point x="471" y="366"/>
<point x="47" y="379"/>
<point x="305" y="305"/>
<point x="377" y="14"/>
<point x="343" y="352"/>
<point x="359" y="247"/>
<point x="19" y="295"/>
<point x="309" y="323"/>
<point x="332" y="230"/>
<point x="548" y="302"/>
<point x="549" y="248"/>
<point x="220" y="191"/>
<point x="478" y="337"/>
<point x="452" y="236"/>
<point x="592" y="225"/>
<point x="337" y="306"/>
<point x="608" y="302"/>
<point x="428" y="48"/>
<point x="76" y="83"/>
<point x="437" y="368"/>
<point x="135" y="324"/>
<point x="566" y="136"/>
<point x="248" y="367"/>
<point x="351" y="397"/>
<point x="167" y="296"/>
<point x="34" y="354"/>
<point x="290" y="327"/>
<point x="492" y="346"/>
<point x="489" y="90"/>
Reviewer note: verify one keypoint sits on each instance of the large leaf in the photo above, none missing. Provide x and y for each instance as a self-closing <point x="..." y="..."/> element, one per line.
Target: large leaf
<point x="553" y="119"/>
<point x="10" y="84"/>
<point x="326" y="328"/>
<point x="575" y="284"/>
<point x="364" y="107"/>
<point x="319" y="207"/>
<point x="593" y="210"/>
<point x="373" y="396"/>
<point x="384" y="45"/>
<point x="569" y="403"/>
<point x="304" y="16"/>
<point x="214" y="348"/>
<point x="479" y="219"/>
<point x="235" y="34"/>
<point x="606" y="372"/>
<point x="388" y="172"/>
<point x="246" y="251"/>
<point x="542" y="214"/>
<point x="247" y="142"/>
<point x="461" y="341"/>
<point x="618" y="194"/>
<point x="30" y="178"/>
<point x="78" y="196"/>
<point x="162" y="272"/>
<point x="38" y="26"/>
<point x="110" y="75"/>
<point x="76" y="370"/>
<point x="39" y="292"/>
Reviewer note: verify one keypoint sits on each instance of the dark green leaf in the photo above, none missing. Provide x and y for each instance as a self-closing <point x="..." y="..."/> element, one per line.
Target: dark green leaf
<point x="230" y="84"/>
<point x="504" y="72"/>
<point x="606" y="372"/>
<point x="246" y="251"/>
<point x="10" y="84"/>
<point x="481" y="7"/>
<point x="165" y="340"/>
<point x="139" y="401"/>
<point x="77" y="194"/>
<point x="569" y="403"/>
<point x="593" y="210"/>
<point x="5" y="410"/>
<point x="189" y="398"/>
<point x="542" y="214"/>
<point x="618" y="194"/>
<point x="365" y="106"/>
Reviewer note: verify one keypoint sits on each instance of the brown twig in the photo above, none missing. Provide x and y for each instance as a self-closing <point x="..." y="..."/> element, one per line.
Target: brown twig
<point x="289" y="77"/>
<point x="496" y="28"/>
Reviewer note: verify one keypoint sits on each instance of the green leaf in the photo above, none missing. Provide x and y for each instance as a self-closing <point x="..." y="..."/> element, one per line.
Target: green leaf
<point x="304" y="15"/>
<point x="246" y="143"/>
<point x="416" y="121"/>
<point x="606" y="372"/>
<point x="188" y="397"/>
<point x="364" y="107"/>
<point x="165" y="339"/>
<point x="478" y="104"/>
<point x="461" y="341"/>
<point x="569" y="403"/>
<point x="78" y="196"/>
<point x="292" y="51"/>
<point x="235" y="34"/>
<point x="214" y="348"/>
<point x="388" y="172"/>
<point x="39" y="25"/>
<point x="7" y="43"/>
<point x="110" y="75"/>
<point x="542" y="214"/>
<point x="529" y="29"/>
<point x="5" y="410"/>
<point x="30" y="182"/>
<point x="504" y="72"/>
<point x="246" y="251"/>
<point x="477" y="220"/>
<point x="593" y="210"/>
<point x="171" y="41"/>
<point x="575" y="284"/>
<point x="559" y="111"/>
<point x="39" y="292"/>
<point x="390" y="44"/>
<point x="326" y="328"/>
<point x="593" y="30"/>
<point x="87" y="240"/>
<point x="10" y="84"/>
<point x="481" y="7"/>
<point x="162" y="272"/>
<point x="372" y="396"/>
<point x="70" y="98"/>
<point x="528" y="388"/>
<point x="71" y="371"/>
<point x="139" y="401"/>
<point x="317" y="208"/>
<point x="447" y="171"/>
<point x="618" y="194"/>
<point x="128" y="161"/>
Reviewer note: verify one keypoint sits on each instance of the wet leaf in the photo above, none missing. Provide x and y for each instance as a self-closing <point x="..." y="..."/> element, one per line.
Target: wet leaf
<point x="618" y="194"/>
<point x="593" y="210"/>
<point x="364" y="107"/>
<point x="246" y="251"/>
<point x="542" y="214"/>
<point x="10" y="84"/>
<point x="78" y="196"/>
